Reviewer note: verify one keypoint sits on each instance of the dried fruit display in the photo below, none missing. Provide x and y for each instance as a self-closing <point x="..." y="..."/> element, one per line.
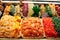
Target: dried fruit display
<point x="49" y="27"/>
<point x="9" y="26"/>
<point x="31" y="28"/>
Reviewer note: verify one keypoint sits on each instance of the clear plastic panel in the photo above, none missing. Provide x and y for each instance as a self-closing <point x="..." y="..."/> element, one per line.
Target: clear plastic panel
<point x="41" y="0"/>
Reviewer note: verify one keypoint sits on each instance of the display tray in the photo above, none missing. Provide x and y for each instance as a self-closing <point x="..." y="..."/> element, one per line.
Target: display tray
<point x="29" y="39"/>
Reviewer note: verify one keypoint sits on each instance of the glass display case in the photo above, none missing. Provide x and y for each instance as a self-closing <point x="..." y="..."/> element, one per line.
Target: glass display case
<point x="33" y="24"/>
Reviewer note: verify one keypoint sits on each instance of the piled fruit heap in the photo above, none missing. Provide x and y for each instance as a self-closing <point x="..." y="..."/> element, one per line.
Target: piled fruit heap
<point x="56" y="22"/>
<point x="32" y="28"/>
<point x="49" y="28"/>
<point x="57" y="9"/>
<point x="9" y="26"/>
